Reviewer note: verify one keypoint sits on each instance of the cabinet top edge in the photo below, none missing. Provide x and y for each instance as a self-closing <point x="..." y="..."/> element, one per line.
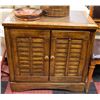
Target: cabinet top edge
<point x="75" y="20"/>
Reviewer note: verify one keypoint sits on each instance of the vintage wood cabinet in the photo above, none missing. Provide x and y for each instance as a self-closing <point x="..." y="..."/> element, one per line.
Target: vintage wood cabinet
<point x="50" y="53"/>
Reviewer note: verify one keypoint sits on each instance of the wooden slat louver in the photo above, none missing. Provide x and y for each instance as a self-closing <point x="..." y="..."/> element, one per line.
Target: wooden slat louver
<point x="67" y="55"/>
<point x="32" y="57"/>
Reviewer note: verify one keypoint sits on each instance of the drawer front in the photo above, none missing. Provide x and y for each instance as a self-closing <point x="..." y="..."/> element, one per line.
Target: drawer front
<point x="30" y="52"/>
<point x="68" y="53"/>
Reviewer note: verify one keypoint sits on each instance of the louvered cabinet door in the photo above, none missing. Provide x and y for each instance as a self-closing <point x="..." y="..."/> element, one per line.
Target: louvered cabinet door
<point x="68" y="55"/>
<point x="30" y="50"/>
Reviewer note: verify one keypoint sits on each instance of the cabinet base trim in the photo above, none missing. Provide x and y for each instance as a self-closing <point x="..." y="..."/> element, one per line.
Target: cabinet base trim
<point x="75" y="87"/>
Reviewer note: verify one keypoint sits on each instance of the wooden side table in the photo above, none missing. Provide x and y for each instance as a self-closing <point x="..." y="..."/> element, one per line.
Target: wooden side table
<point x="95" y="60"/>
<point x="94" y="13"/>
<point x="96" y="57"/>
<point x="91" y="70"/>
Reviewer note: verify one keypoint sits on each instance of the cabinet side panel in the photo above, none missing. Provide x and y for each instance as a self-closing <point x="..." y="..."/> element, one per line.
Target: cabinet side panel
<point x="9" y="53"/>
<point x="89" y="55"/>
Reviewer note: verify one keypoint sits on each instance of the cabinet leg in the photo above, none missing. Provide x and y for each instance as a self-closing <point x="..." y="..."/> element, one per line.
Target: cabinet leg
<point x="91" y="70"/>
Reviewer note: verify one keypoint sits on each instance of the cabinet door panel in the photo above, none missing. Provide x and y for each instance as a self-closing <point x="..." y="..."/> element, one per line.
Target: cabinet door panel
<point x="68" y="55"/>
<point x="29" y="49"/>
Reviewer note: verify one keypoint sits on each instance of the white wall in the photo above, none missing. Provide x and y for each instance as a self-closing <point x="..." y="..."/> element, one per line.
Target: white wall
<point x="49" y="2"/>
